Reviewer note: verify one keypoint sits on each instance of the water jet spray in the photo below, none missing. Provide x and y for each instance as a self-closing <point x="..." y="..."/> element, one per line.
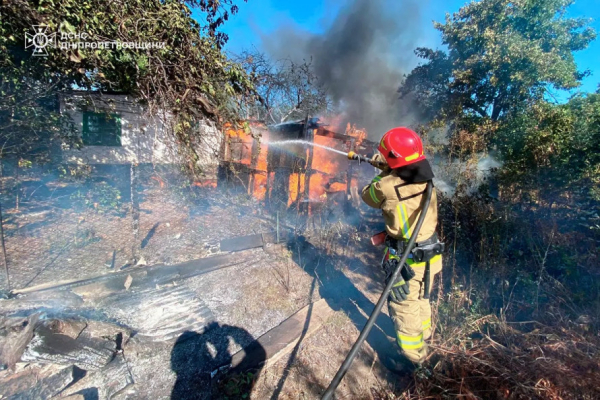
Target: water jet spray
<point x="350" y="155"/>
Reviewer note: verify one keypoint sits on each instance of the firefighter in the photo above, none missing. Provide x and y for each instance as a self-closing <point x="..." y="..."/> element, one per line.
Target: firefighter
<point x="398" y="192"/>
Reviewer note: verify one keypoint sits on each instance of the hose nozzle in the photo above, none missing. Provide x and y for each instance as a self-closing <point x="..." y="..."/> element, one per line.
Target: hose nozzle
<point x="353" y="156"/>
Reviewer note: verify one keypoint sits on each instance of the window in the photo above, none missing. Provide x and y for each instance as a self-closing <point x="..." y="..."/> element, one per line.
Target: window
<point x="101" y="129"/>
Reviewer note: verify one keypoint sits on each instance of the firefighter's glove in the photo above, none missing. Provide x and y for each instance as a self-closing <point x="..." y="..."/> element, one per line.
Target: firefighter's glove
<point x="400" y="290"/>
<point x="378" y="161"/>
<point x="406" y="272"/>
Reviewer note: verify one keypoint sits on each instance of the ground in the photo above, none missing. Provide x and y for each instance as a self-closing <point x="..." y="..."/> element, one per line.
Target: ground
<point x="327" y="259"/>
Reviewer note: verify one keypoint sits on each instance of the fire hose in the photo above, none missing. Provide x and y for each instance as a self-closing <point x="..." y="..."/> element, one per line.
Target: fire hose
<point x="357" y="157"/>
<point x="373" y="317"/>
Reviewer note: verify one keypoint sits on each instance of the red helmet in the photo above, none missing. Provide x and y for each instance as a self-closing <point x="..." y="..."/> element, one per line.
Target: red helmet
<point x="401" y="146"/>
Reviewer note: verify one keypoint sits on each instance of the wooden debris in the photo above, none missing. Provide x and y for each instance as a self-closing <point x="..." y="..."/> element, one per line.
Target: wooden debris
<point x="142" y="276"/>
<point x="159" y="313"/>
<point x="15" y="333"/>
<point x="280" y="341"/>
<point x="70" y="328"/>
<point x="37" y="382"/>
<point x="115" y="377"/>
<point x="86" y="352"/>
<point x="128" y="281"/>
<point x="110" y="380"/>
<point x="253" y="241"/>
<point x="99" y="329"/>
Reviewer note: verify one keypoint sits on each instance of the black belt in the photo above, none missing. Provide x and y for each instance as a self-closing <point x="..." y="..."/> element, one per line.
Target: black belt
<point x="433" y="239"/>
<point x="399" y="244"/>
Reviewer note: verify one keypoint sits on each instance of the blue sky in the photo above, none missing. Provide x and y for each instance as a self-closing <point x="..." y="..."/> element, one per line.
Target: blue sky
<point x="259" y="18"/>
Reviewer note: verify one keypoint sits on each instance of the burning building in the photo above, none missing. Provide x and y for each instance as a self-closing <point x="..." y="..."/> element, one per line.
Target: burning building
<point x="298" y="174"/>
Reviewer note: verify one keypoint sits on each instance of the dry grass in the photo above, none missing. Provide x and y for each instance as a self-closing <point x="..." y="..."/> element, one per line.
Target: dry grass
<point x="503" y="361"/>
<point x="493" y="359"/>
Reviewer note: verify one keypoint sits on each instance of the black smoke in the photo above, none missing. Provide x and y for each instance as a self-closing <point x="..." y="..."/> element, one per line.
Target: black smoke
<point x="361" y="58"/>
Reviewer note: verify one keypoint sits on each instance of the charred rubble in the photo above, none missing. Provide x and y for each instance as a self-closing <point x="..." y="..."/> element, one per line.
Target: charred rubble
<point x="76" y="337"/>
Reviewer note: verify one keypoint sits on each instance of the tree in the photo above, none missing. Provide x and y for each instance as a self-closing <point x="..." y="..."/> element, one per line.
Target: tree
<point x="189" y="77"/>
<point x="288" y="90"/>
<point x="501" y="54"/>
<point x="558" y="145"/>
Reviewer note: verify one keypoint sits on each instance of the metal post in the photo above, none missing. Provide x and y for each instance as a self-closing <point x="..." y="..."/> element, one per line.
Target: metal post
<point x="4" y="259"/>
<point x="277" y="226"/>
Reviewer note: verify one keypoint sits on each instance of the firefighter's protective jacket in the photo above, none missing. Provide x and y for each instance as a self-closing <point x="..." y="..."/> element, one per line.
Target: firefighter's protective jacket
<point x="400" y="203"/>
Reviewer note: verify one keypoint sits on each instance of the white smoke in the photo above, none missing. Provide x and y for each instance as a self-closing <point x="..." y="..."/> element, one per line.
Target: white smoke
<point x="474" y="174"/>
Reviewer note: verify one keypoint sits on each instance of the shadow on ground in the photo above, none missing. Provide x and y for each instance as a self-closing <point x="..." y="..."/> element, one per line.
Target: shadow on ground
<point x="201" y="363"/>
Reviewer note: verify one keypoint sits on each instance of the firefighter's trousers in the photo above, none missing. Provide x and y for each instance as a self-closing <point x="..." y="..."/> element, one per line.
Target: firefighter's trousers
<point x="412" y="317"/>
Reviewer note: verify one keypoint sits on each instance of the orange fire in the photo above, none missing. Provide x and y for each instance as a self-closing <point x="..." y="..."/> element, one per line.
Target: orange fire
<point x="337" y="187"/>
<point x="358" y="134"/>
<point x="205" y="183"/>
<point x="336" y="124"/>
<point x="259" y="189"/>
<point x="240" y="147"/>
<point x="328" y="170"/>
<point x="294" y="188"/>
<point x="326" y="165"/>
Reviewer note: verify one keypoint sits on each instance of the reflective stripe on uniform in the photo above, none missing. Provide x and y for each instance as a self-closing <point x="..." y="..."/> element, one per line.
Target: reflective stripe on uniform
<point x="372" y="193"/>
<point x="414" y="264"/>
<point x="410" y="342"/>
<point x="372" y="189"/>
<point x="403" y="214"/>
<point x="426" y="324"/>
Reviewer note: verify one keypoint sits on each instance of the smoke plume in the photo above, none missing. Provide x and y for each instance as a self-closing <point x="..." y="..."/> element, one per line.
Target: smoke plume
<point x="360" y="58"/>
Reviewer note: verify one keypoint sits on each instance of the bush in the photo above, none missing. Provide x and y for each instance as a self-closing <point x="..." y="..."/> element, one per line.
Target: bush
<point x="101" y="197"/>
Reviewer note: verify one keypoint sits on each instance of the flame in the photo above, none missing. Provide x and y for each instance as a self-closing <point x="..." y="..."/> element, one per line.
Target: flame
<point x="293" y="190"/>
<point x="337" y="187"/>
<point x="205" y="183"/>
<point x="316" y="186"/>
<point x="328" y="171"/>
<point x="358" y="134"/>
<point x="240" y="144"/>
<point x="240" y="149"/>
<point x="260" y="179"/>
<point x="325" y="165"/>
<point x="260" y="186"/>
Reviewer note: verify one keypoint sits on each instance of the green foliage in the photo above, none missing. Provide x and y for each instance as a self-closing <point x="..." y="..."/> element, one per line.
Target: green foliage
<point x="190" y="76"/>
<point x="501" y="53"/>
<point x="555" y="144"/>
<point x="238" y="386"/>
<point x="101" y="197"/>
<point x="74" y="172"/>
<point x="288" y="90"/>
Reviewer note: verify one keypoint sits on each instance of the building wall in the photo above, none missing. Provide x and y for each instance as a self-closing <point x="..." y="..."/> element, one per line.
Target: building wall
<point x="144" y="139"/>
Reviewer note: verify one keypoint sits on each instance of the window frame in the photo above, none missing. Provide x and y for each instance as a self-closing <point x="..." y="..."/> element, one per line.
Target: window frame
<point x="102" y="133"/>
